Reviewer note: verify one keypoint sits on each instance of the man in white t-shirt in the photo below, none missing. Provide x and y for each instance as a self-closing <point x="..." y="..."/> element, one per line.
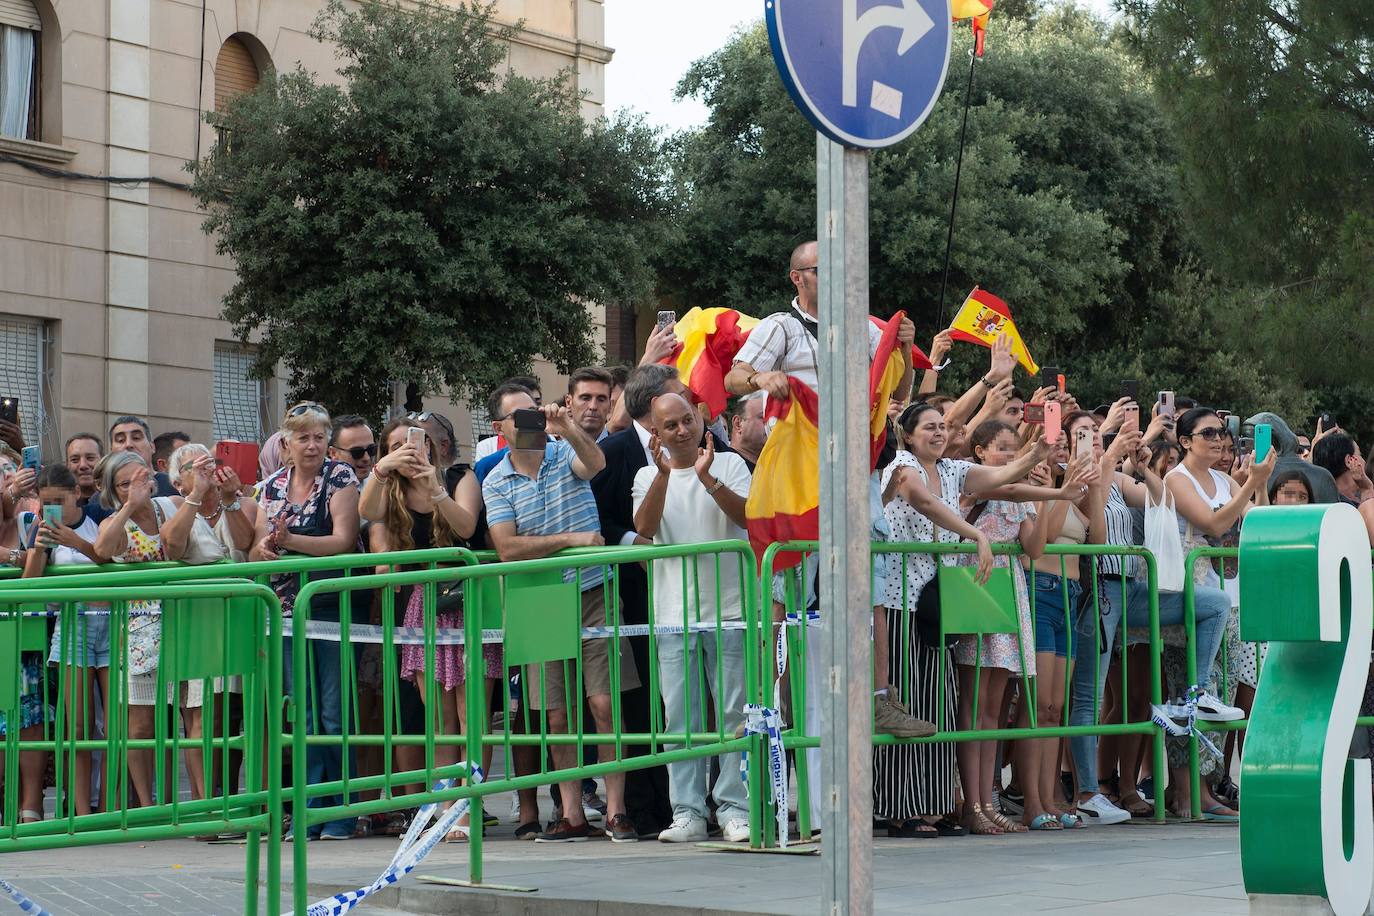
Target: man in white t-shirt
<point x="692" y="496"/>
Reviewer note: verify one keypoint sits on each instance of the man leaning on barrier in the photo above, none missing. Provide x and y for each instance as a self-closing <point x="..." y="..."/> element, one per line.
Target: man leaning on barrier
<point x="539" y="502"/>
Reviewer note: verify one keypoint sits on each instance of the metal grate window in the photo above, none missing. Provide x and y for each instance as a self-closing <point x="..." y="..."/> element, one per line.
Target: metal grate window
<point x="23" y="373"/>
<point x="238" y="397"/>
<point x="481" y="422"/>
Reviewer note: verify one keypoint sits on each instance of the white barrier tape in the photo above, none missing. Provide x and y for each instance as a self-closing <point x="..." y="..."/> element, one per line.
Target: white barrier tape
<point x="1164" y="717"/>
<point x="760" y="720"/>
<point x="413" y="848"/>
<point x="26" y="903"/>
<point x="329" y="631"/>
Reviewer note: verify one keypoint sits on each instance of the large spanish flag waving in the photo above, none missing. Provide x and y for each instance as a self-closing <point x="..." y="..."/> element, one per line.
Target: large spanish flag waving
<point x="983" y="318"/>
<point x="784" y="501"/>
<point x="710" y="338"/>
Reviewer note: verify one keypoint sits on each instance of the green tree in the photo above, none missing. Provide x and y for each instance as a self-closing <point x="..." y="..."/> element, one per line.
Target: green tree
<point x="435" y="219"/>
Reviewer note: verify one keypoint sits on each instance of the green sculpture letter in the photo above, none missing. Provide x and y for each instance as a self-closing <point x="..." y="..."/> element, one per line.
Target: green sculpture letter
<point x="1307" y="832"/>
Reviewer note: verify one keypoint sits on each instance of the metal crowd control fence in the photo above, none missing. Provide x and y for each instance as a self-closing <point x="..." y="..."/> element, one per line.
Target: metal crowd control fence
<point x="793" y="603"/>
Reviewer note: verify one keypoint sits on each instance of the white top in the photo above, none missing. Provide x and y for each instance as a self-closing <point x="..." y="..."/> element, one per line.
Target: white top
<point x="1222" y="485"/>
<point x="909" y="525"/>
<point x="782" y="343"/>
<point x="88" y="531"/>
<point x="485" y="448"/>
<point x="692" y="516"/>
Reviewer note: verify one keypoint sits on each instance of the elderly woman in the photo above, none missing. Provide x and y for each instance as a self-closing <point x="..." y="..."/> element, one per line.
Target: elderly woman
<point x="212" y="522"/>
<point x="133" y="534"/>
<point x="310" y="507"/>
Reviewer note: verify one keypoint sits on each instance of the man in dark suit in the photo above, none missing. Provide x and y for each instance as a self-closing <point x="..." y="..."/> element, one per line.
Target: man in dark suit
<point x="646" y="791"/>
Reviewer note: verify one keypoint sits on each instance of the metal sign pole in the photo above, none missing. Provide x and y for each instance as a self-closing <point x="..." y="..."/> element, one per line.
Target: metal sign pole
<point x="845" y="582"/>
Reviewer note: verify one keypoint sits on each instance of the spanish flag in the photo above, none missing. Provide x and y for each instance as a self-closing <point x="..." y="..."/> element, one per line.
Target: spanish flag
<point x="784" y="502"/>
<point x="710" y="338"/>
<point x="983" y="318"/>
<point x="976" y="11"/>
<point x="884" y="373"/>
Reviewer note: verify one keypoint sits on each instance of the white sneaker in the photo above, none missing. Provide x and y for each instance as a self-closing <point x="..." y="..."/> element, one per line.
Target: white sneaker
<point x="1098" y="810"/>
<point x="1210" y="709"/>
<point x="686" y="828"/>
<point x="736" y="830"/>
<point x="514" y="808"/>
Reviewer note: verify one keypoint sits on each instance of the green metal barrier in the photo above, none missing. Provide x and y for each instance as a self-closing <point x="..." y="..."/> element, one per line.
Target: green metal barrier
<point x="209" y="630"/>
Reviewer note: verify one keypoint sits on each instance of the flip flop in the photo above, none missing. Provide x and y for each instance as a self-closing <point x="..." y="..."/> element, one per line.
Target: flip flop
<point x="1045" y="822"/>
<point x="1211" y="815"/>
<point x="1072" y="821"/>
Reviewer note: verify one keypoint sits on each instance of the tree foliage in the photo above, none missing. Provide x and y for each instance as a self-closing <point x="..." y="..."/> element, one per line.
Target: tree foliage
<point x="435" y="219"/>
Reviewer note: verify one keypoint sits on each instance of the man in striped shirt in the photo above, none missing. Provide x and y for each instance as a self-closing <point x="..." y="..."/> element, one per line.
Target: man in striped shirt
<point x="539" y="502"/>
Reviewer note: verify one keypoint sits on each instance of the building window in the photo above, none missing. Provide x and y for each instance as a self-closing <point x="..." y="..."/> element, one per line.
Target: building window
<point x="19" y="68"/>
<point x="239" y="398"/>
<point x="235" y="71"/>
<point x="24" y="374"/>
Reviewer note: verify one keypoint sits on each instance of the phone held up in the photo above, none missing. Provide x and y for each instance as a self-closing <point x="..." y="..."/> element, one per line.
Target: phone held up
<point x="1130" y="389"/>
<point x="1166" y="404"/>
<point x="9" y="410"/>
<point x="415" y="436"/>
<point x="529" y="429"/>
<point x="1083" y="444"/>
<point x="1264" y="441"/>
<point x="666" y="318"/>
<point x="32" y="456"/>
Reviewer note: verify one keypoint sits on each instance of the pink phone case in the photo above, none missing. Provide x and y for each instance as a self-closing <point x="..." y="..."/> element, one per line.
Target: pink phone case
<point x="1053" y="421"/>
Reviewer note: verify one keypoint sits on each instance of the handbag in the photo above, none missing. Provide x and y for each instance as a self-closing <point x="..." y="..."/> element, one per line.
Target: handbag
<point x="1163" y="540"/>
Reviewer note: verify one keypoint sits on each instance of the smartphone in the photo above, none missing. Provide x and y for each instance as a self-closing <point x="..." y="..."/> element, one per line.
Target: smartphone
<point x="1232" y="424"/>
<point x="52" y="513"/>
<point x="529" y="429"/>
<point x="1054" y="416"/>
<point x="416" y="436"/>
<point x="1166" y="404"/>
<point x="1049" y="376"/>
<point x="1130" y="388"/>
<point x="1035" y="413"/>
<point x="1130" y="421"/>
<point x="1083" y="444"/>
<point x="1060" y="384"/>
<point x="1244" y="447"/>
<point x="1327" y="421"/>
<point x="1264" y="440"/>
<point x="241" y="456"/>
<point x="9" y="410"/>
<point x="26" y="520"/>
<point x="665" y="318"/>
<point x="32" y="456"/>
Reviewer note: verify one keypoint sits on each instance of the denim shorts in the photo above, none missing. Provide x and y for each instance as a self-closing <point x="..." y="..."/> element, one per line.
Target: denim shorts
<point x="92" y="646"/>
<point x="1052" y="625"/>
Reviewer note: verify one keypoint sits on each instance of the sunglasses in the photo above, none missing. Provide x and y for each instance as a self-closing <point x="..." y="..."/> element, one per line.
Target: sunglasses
<point x="431" y="415"/>
<point x="358" y="451"/>
<point x="1211" y="433"/>
<point x="307" y="407"/>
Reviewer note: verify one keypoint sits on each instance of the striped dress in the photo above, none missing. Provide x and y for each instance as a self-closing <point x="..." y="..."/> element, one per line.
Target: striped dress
<point x="910" y="780"/>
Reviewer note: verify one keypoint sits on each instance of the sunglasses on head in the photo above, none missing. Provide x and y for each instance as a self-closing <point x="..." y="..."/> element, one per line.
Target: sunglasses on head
<point x="358" y="451"/>
<point x="307" y="407"/>
<point x="431" y="415"/>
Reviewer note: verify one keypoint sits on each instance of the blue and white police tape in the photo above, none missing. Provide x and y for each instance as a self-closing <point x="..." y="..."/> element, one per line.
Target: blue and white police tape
<point x="412" y="850"/>
<point x="760" y="720"/>
<point x="25" y="902"/>
<point x="1165" y="716"/>
<point x="330" y="631"/>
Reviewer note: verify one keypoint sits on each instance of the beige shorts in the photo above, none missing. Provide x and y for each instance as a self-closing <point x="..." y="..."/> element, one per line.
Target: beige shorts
<point x="596" y="664"/>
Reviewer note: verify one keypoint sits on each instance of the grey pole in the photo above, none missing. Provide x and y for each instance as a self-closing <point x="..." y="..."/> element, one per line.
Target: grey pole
<point x="846" y="783"/>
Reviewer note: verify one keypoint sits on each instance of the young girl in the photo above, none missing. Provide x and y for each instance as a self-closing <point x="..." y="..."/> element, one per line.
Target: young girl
<point x="1004" y="521"/>
<point x="83" y="656"/>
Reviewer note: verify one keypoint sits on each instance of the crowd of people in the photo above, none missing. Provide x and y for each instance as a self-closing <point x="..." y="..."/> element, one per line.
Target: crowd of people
<point x="629" y="457"/>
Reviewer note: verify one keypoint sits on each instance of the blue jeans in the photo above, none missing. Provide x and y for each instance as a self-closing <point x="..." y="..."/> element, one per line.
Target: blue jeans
<point x="323" y="763"/>
<point x="1212" y="606"/>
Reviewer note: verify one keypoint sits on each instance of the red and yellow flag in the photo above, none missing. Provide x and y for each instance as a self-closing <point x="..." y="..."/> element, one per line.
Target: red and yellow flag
<point x="983" y="318"/>
<point x="884" y="373"/>
<point x="976" y="11"/>
<point x="784" y="501"/>
<point x="710" y="339"/>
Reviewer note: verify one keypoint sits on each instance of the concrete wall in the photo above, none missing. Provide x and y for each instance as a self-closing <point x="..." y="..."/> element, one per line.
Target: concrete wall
<point x="130" y="286"/>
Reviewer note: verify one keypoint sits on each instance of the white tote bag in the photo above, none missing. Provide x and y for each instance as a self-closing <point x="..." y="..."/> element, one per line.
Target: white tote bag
<point x="1162" y="539"/>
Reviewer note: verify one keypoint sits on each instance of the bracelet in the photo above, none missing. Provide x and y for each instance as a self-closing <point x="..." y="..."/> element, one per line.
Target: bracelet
<point x="440" y="496"/>
<point x="192" y="502"/>
<point x="985" y="381"/>
<point x="376" y="472"/>
<point x="234" y="506"/>
<point x="16" y="556"/>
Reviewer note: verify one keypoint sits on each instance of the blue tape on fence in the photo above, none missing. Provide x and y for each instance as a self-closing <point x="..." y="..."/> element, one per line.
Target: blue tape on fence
<point x="760" y="720"/>
<point x="413" y="848"/>
<point x="25" y="902"/>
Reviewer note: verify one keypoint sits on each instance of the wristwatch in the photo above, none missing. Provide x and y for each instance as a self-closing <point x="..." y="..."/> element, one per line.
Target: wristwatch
<point x="234" y="506"/>
<point x="712" y="490"/>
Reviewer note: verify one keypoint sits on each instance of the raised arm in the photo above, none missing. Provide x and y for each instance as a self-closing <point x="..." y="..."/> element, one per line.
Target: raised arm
<point x="1201" y="516"/>
<point x="590" y="458"/>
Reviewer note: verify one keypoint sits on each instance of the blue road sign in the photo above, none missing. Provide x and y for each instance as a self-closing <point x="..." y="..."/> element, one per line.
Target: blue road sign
<point x="865" y="72"/>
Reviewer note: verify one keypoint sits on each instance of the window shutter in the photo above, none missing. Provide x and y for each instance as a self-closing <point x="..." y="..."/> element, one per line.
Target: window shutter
<point x="235" y="71"/>
<point x="20" y="13"/>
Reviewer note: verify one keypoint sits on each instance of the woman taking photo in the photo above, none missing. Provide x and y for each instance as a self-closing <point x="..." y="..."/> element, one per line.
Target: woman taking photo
<point x="913" y="785"/>
<point x="410" y="509"/>
<point x="133" y="534"/>
<point x="1208" y="503"/>
<point x="83" y="657"/>
<point x="1000" y="655"/>
<point x="310" y="508"/>
<point x="212" y="522"/>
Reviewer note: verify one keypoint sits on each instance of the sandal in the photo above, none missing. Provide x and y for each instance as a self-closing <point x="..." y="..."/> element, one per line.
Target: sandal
<point x="31" y="817"/>
<point x="1215" y="815"/>
<point x="1138" y="808"/>
<point x="915" y="829"/>
<point x="979" y="824"/>
<point x="397" y="823"/>
<point x="1006" y="825"/>
<point x="459" y="834"/>
<point x="528" y="831"/>
<point x="1045" y="822"/>
<point x="1072" y="821"/>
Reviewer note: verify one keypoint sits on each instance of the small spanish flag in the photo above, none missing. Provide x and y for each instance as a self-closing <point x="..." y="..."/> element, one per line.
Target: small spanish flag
<point x="784" y="502"/>
<point x="983" y="318"/>
<point x="710" y="338"/>
<point x="976" y="11"/>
